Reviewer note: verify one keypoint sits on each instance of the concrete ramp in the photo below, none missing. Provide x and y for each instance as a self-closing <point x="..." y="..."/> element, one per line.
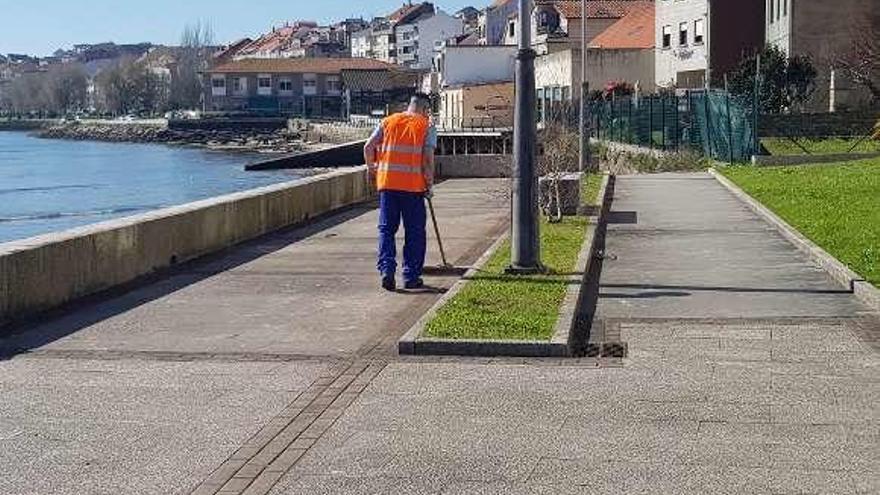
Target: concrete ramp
<point x="343" y="155"/>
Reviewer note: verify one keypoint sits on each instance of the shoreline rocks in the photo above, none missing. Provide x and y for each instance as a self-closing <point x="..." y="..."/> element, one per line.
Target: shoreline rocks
<point x="281" y="141"/>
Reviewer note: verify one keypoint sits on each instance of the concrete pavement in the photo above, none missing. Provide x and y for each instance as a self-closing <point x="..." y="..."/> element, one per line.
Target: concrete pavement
<point x="150" y="391"/>
<point x="748" y="372"/>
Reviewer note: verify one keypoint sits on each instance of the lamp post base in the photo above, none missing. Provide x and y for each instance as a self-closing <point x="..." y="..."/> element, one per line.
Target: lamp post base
<point x="525" y="270"/>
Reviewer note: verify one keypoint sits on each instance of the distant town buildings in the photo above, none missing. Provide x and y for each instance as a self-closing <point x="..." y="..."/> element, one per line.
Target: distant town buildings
<point x="306" y="87"/>
<point x="467" y="58"/>
<point x="408" y="36"/>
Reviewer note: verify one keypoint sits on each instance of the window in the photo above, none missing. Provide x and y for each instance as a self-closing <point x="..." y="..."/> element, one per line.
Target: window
<point x="699" y="31"/>
<point x="218" y="85"/>
<point x="784" y="8"/>
<point x="334" y="85"/>
<point x="772" y="10"/>
<point x="778" y="10"/>
<point x="511" y="29"/>
<point x="667" y="36"/>
<point x="310" y="84"/>
<point x="683" y="34"/>
<point x="285" y="85"/>
<point x="264" y="85"/>
<point x="239" y="86"/>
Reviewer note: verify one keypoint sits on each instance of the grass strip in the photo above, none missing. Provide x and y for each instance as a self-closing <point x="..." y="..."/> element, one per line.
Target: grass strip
<point x="783" y="146"/>
<point x="590" y="185"/>
<point x="497" y="306"/>
<point x="837" y="206"/>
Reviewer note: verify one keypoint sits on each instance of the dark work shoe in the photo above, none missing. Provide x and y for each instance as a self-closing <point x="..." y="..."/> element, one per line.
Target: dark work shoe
<point x="388" y="283"/>
<point x="414" y="284"/>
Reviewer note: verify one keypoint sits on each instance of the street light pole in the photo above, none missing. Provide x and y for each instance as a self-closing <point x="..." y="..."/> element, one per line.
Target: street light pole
<point x="585" y="164"/>
<point x="525" y="240"/>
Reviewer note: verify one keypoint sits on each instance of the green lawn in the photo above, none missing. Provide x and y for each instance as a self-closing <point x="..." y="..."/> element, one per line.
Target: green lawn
<point x="837" y="206"/>
<point x="590" y="185"/>
<point x="494" y="305"/>
<point x="783" y="146"/>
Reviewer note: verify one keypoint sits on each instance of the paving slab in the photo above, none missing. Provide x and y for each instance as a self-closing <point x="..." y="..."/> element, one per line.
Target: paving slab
<point x="100" y="427"/>
<point x="682" y="246"/>
<point x="746" y="373"/>
<point x="152" y="390"/>
<point x="311" y="291"/>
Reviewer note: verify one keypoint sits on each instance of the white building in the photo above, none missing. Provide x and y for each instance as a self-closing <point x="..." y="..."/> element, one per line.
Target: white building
<point x="492" y="24"/>
<point x="699" y="39"/>
<point x="416" y="40"/>
<point x="682" y="57"/>
<point x="461" y="65"/>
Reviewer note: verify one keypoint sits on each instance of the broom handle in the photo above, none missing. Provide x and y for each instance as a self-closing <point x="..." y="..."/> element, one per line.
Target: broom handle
<point x="437" y="232"/>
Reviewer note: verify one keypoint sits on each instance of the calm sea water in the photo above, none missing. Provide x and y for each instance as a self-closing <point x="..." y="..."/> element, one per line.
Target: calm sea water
<point x="52" y="185"/>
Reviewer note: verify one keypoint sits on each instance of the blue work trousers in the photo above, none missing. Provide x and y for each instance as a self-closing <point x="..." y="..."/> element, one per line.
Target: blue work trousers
<point x="394" y="206"/>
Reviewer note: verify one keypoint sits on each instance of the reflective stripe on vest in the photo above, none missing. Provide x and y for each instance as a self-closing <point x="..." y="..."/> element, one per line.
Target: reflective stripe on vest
<point x="399" y="160"/>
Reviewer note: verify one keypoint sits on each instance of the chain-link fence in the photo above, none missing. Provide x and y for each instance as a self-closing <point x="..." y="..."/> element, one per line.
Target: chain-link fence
<point x="711" y="122"/>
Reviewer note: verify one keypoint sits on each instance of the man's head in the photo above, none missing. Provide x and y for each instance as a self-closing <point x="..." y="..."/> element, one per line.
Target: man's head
<point x="420" y="104"/>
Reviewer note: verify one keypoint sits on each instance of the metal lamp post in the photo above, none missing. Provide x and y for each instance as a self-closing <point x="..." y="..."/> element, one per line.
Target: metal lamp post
<point x="585" y="164"/>
<point x="525" y="240"/>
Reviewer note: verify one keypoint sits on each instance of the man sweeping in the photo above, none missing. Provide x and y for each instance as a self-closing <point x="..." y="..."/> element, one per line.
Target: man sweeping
<point x="400" y="157"/>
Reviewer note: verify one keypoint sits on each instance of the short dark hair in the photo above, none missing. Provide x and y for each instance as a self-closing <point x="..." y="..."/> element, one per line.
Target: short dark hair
<point x="422" y="101"/>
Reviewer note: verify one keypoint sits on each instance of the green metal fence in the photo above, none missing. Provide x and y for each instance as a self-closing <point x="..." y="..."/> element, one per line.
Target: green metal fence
<point x="711" y="122"/>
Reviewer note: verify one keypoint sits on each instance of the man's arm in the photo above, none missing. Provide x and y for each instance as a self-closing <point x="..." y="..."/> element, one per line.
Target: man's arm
<point x="370" y="148"/>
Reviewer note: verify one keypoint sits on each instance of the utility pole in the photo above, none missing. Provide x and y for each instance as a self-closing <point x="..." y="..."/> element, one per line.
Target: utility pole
<point x="525" y="240"/>
<point x="585" y="163"/>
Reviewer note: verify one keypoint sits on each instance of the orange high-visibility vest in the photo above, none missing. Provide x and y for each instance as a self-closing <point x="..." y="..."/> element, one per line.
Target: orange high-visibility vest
<point x="399" y="156"/>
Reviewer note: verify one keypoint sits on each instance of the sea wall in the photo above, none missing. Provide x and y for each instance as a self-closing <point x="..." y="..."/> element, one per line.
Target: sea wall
<point x="44" y="272"/>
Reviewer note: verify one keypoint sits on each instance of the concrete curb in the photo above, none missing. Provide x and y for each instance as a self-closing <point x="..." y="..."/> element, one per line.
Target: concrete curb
<point x="560" y="345"/>
<point x="861" y="288"/>
<point x="786" y="160"/>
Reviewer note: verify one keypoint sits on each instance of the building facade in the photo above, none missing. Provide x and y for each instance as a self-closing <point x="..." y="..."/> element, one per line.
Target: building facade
<point x="825" y="31"/>
<point x="477" y="105"/>
<point x="461" y="65"/>
<point x="417" y="40"/>
<point x="308" y="87"/>
<point x="493" y="21"/>
<point x="620" y="48"/>
<point x="702" y="40"/>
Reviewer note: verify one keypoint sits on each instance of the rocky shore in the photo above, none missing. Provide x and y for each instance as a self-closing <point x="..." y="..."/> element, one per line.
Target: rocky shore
<point x="281" y="141"/>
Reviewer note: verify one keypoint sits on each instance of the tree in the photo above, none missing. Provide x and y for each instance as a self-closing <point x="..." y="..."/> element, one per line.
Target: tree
<point x="561" y="152"/>
<point x="861" y="62"/>
<point x="65" y="89"/>
<point x="193" y="58"/>
<point x="785" y="82"/>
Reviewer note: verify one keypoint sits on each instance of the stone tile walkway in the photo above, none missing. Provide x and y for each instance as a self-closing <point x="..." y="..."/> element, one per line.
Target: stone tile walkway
<point x="748" y="372"/>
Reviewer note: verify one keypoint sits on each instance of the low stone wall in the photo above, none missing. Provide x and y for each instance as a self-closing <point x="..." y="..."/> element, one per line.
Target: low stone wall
<point x="474" y="166"/>
<point x="44" y="272"/>
<point x="781" y="160"/>
<point x="338" y="132"/>
<point x="818" y="124"/>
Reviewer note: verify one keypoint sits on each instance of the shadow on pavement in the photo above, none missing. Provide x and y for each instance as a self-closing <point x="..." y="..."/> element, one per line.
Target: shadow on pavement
<point x="23" y="336"/>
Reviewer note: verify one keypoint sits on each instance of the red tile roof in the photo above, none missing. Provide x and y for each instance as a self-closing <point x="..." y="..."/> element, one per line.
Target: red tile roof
<point x="634" y="30"/>
<point x="596" y="9"/>
<point x="299" y="65"/>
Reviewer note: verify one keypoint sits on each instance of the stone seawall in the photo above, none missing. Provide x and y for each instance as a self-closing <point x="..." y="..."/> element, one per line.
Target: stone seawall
<point x="44" y="272"/>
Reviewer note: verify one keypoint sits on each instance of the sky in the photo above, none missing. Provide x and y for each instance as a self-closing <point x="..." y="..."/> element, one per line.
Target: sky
<point x="39" y="27"/>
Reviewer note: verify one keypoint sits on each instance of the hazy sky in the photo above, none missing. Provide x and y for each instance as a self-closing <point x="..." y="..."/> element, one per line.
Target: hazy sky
<point x="39" y="27"/>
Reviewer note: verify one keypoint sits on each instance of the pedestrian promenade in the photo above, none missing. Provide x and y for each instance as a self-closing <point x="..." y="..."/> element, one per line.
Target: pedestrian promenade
<point x="271" y="370"/>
